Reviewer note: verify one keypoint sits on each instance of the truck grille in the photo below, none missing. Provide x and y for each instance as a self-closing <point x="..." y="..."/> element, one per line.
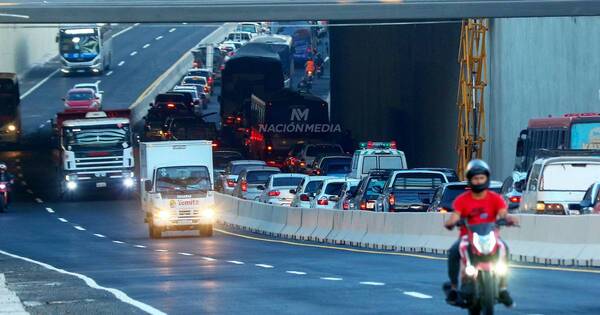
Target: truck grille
<point x="99" y="163"/>
<point x="194" y="212"/>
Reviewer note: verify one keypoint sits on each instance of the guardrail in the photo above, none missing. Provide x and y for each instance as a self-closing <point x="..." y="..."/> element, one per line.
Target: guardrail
<point x="171" y="77"/>
<point x="544" y="239"/>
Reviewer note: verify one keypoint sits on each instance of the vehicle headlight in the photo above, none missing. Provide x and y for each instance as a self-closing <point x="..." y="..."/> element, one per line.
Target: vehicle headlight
<point x="501" y="268"/>
<point x="470" y="271"/>
<point x="11" y="128"/>
<point x="163" y="214"/>
<point x="128" y="182"/>
<point x="208" y="213"/>
<point x="71" y="177"/>
<point x="71" y="185"/>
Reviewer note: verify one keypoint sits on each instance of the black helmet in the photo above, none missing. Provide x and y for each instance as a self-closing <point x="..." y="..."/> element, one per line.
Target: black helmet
<point x="478" y="167"/>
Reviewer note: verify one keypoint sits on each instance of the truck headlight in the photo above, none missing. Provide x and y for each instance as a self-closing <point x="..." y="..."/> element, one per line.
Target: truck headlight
<point x="11" y="128"/>
<point x="163" y="214"/>
<point x="208" y="213"/>
<point x="128" y="182"/>
<point x="71" y="185"/>
<point x="71" y="177"/>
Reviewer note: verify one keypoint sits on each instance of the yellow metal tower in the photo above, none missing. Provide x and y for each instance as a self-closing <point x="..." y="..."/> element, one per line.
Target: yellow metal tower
<point x="470" y="100"/>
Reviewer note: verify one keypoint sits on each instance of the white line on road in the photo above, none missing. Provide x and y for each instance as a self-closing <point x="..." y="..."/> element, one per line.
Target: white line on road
<point x="120" y="295"/>
<point x="208" y="258"/>
<point x="49" y="210"/>
<point x="158" y="38"/>
<point x="98" y="82"/>
<point x="63" y="220"/>
<point x="41" y="126"/>
<point x="417" y="295"/>
<point x="109" y="73"/>
<point x="121" y="63"/>
<point x="186" y="254"/>
<point x="372" y="283"/>
<point x="235" y="262"/>
<point x="133" y="53"/>
<point x="264" y="266"/>
<point x="99" y="235"/>
<point x="161" y="250"/>
<point x="139" y="246"/>
<point x="35" y="87"/>
<point x="38" y="200"/>
<point x="146" y="46"/>
<point x="118" y="242"/>
<point x="20" y="175"/>
<point x="296" y="272"/>
<point x="29" y="191"/>
<point x="77" y="227"/>
<point x="123" y="31"/>
<point x="172" y="30"/>
<point x="331" y="279"/>
<point x="18" y="160"/>
<point x="23" y="183"/>
<point x="18" y="167"/>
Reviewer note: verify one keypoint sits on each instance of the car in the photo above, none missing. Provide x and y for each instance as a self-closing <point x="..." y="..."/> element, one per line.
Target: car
<point x="590" y="204"/>
<point x="410" y="190"/>
<point x="512" y="189"/>
<point x="306" y="190"/>
<point x="331" y="165"/>
<point x="450" y="173"/>
<point x="94" y="86"/>
<point x="277" y="190"/>
<point x="233" y="169"/>
<point x="201" y="83"/>
<point x="369" y="189"/>
<point x="230" y="46"/>
<point x="445" y="194"/>
<point x="241" y="37"/>
<point x="346" y="194"/>
<point x="188" y="128"/>
<point x="253" y="28"/>
<point x="376" y="155"/>
<point x="328" y="195"/>
<point x="188" y="98"/>
<point x="221" y="158"/>
<point x="82" y="99"/>
<point x="203" y="72"/>
<point x="303" y="154"/>
<point x="251" y="180"/>
<point x="200" y="98"/>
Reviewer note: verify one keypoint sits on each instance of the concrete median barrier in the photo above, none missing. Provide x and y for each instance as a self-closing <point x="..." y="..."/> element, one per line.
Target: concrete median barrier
<point x="374" y="238"/>
<point x="324" y="225"/>
<point x="293" y="223"/>
<point x="278" y="221"/>
<point x="309" y="223"/>
<point x="340" y="218"/>
<point x="357" y="229"/>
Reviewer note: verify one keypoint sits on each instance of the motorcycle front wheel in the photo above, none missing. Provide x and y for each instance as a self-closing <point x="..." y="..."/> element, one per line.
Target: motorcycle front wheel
<point x="487" y="293"/>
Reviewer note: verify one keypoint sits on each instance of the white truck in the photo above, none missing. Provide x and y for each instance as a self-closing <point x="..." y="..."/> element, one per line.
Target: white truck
<point x="177" y="186"/>
<point x="376" y="156"/>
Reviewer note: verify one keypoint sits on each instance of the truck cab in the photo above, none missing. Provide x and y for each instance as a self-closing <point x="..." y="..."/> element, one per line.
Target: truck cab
<point x="376" y="156"/>
<point x="177" y="192"/>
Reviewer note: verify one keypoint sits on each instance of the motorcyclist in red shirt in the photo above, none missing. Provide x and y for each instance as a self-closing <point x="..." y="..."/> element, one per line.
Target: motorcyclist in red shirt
<point x="477" y="205"/>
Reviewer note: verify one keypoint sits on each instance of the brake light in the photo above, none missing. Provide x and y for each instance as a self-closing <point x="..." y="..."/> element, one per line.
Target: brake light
<point x="229" y="120"/>
<point x="323" y="202"/>
<point x="318" y="171"/>
<point x="369" y="144"/>
<point x="345" y="205"/>
<point x="515" y="199"/>
<point x="170" y="105"/>
<point x="210" y="80"/>
<point x="238" y="119"/>
<point x="214" y="144"/>
<point x="274" y="193"/>
<point x="304" y="197"/>
<point x="393" y="144"/>
<point x="244" y="185"/>
<point x="392" y="199"/>
<point x="269" y="148"/>
<point x="205" y="89"/>
<point x="363" y="205"/>
<point x="302" y="163"/>
<point x="230" y="183"/>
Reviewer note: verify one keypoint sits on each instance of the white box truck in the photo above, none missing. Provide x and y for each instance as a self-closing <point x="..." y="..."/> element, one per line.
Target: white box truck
<point x="177" y="186"/>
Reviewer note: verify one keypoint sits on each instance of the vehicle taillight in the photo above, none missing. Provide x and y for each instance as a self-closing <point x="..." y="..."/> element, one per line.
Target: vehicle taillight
<point x="304" y="197"/>
<point x="323" y="202"/>
<point x="195" y="64"/>
<point x="170" y="105"/>
<point x="269" y="148"/>
<point x="238" y="119"/>
<point x="393" y="144"/>
<point x="363" y="205"/>
<point x="230" y="183"/>
<point x="392" y="199"/>
<point x="515" y="199"/>
<point x="274" y="193"/>
<point x="345" y="205"/>
<point x="210" y="80"/>
<point x="205" y="89"/>
<point x="229" y="120"/>
<point x="244" y="186"/>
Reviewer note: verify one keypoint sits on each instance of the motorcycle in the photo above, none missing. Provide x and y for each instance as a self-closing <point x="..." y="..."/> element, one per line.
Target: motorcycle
<point x="319" y="72"/>
<point x="4" y="189"/>
<point x="483" y="264"/>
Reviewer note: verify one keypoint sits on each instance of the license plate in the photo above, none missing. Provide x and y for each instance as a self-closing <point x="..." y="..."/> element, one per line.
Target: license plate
<point x="100" y="184"/>
<point x="80" y="71"/>
<point x="370" y="205"/>
<point x="184" y="222"/>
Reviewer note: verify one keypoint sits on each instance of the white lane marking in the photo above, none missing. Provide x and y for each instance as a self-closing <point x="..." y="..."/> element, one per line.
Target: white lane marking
<point x="38" y="200"/>
<point x="158" y="38"/>
<point x="11" y="304"/>
<point x="136" y="24"/>
<point x="41" y="126"/>
<point x="235" y="262"/>
<point x="50" y="210"/>
<point x="372" y="283"/>
<point x="172" y="30"/>
<point x="35" y="87"/>
<point x="20" y="175"/>
<point x="146" y="46"/>
<point x="63" y="220"/>
<point x="184" y="23"/>
<point x="23" y="183"/>
<point x="332" y="278"/>
<point x="123" y="31"/>
<point x="99" y="235"/>
<point x="98" y="82"/>
<point x="208" y="258"/>
<point x="109" y="73"/>
<point x="18" y="167"/>
<point x="186" y="254"/>
<point x="121" y="63"/>
<point x="293" y="272"/>
<point x="118" y="242"/>
<point x="29" y="191"/>
<point x="139" y="246"/>
<point x="120" y="295"/>
<point x="18" y="160"/>
<point x="161" y="250"/>
<point x="417" y="295"/>
<point x="77" y="227"/>
<point x="133" y="53"/>
<point x="264" y="266"/>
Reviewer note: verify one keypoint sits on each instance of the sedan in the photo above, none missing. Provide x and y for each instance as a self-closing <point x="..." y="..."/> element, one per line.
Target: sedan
<point x="94" y="86"/>
<point x="278" y="190"/>
<point x="328" y="196"/>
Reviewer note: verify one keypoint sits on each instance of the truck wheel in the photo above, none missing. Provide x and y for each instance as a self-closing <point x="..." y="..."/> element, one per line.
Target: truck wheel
<point x="206" y="230"/>
<point x="153" y="231"/>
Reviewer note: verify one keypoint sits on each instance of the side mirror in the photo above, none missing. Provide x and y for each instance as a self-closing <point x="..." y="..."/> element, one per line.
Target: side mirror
<point x="334" y="198"/>
<point x="148" y="185"/>
<point x="292" y="191"/>
<point x="260" y="187"/>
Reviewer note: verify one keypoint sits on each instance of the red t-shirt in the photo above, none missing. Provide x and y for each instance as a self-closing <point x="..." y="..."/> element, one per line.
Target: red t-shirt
<point x="478" y="211"/>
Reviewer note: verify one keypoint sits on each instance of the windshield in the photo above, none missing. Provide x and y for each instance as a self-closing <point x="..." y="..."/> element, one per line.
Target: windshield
<point x="418" y="181"/>
<point x="385" y="162"/>
<point x="336" y="165"/>
<point x="248" y="28"/>
<point x="109" y="136"/>
<point x="569" y="176"/>
<point x="315" y="150"/>
<point x="334" y="188"/>
<point x="372" y="183"/>
<point x="220" y="159"/>
<point x="80" y="96"/>
<point x="585" y="136"/>
<point x="238" y="168"/>
<point x="79" y="46"/>
<point x="259" y="177"/>
<point x="195" y="80"/>
<point x="286" y="181"/>
<point x="182" y="178"/>
<point x="313" y="186"/>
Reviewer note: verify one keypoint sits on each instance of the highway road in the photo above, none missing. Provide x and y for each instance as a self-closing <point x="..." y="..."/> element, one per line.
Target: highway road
<point x="103" y="236"/>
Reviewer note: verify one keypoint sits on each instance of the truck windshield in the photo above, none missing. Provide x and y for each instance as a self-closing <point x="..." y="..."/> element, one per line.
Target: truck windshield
<point x="585" y="136"/>
<point x="182" y="178"/>
<point x="93" y="137"/>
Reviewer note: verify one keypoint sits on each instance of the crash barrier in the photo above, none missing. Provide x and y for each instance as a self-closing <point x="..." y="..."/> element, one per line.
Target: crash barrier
<point x="543" y="239"/>
<point x="173" y="75"/>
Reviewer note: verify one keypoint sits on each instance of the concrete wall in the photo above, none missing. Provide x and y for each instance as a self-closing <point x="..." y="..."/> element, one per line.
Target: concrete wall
<point x="22" y="46"/>
<point x="398" y="82"/>
<point x="539" y="67"/>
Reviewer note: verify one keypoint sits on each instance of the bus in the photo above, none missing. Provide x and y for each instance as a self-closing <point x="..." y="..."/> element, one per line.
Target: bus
<point x="302" y="39"/>
<point x="568" y="132"/>
<point x="10" y="121"/>
<point x="85" y="48"/>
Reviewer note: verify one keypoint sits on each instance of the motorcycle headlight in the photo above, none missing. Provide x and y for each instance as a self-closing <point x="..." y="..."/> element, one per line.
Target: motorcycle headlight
<point x="501" y="268"/>
<point x="484" y="243"/>
<point x="470" y="271"/>
<point x="2" y="186"/>
<point x="11" y="128"/>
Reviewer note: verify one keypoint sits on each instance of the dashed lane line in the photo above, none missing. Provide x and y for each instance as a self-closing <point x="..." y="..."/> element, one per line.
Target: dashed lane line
<point x="235" y="262"/>
<point x="118" y="242"/>
<point x="185" y="254"/>
<point x="172" y="30"/>
<point x="29" y="191"/>
<point x="38" y="200"/>
<point x="264" y="266"/>
<point x="77" y="227"/>
<point x="372" y="283"/>
<point x="161" y="250"/>
<point x="109" y="73"/>
<point x="133" y="53"/>
<point x="121" y="63"/>
<point x="146" y="46"/>
<point x="208" y="258"/>
<point x="50" y="210"/>
<point x="332" y="278"/>
<point x="158" y="38"/>
<point x="99" y="235"/>
<point x="139" y="246"/>
<point x="417" y="295"/>
<point x="293" y="272"/>
<point x="63" y="220"/>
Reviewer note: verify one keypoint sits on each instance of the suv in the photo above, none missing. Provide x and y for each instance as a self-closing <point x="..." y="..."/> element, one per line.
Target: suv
<point x="591" y="200"/>
<point x="410" y="190"/>
<point x="251" y="180"/>
<point x="369" y="189"/>
<point x="278" y="190"/>
<point x="304" y="154"/>
<point x="331" y="165"/>
<point x="227" y="181"/>
<point x="445" y="194"/>
<point x="376" y="155"/>
<point x="329" y="193"/>
<point x="306" y="190"/>
<point x="346" y="194"/>
<point x="512" y="189"/>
